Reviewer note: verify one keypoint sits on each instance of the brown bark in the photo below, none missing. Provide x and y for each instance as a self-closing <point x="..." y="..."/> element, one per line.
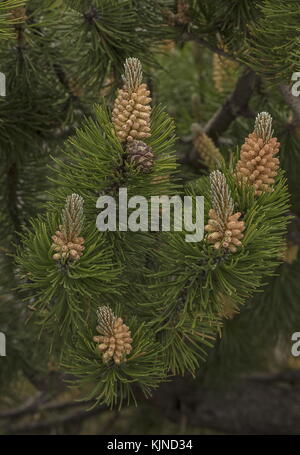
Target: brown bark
<point x="256" y="405"/>
<point x="235" y="105"/>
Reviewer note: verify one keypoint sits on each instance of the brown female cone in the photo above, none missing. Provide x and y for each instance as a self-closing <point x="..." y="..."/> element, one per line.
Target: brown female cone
<point x="19" y="14"/>
<point x="66" y="241"/>
<point x="257" y="165"/>
<point x="224" y="228"/>
<point x="131" y="113"/>
<point x="208" y="153"/>
<point x="115" y="337"/>
<point x="141" y="155"/>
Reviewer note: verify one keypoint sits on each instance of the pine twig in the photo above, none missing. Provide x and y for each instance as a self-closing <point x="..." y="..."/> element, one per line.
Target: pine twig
<point x="193" y="37"/>
<point x="53" y="422"/>
<point x="41" y="402"/>
<point x="30" y="405"/>
<point x="234" y="106"/>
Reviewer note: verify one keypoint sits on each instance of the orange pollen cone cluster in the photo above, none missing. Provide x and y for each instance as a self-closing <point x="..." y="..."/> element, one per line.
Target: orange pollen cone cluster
<point x="226" y="235"/>
<point x="258" y="165"/>
<point x="131" y="114"/>
<point x="115" y="343"/>
<point x="66" y="249"/>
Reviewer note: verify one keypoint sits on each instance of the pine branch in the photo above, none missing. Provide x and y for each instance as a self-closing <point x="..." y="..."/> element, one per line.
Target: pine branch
<point x="40" y="402"/>
<point x="258" y="404"/>
<point x="30" y="406"/>
<point x="267" y="404"/>
<point x="76" y="416"/>
<point x="234" y="106"/>
<point x="193" y="37"/>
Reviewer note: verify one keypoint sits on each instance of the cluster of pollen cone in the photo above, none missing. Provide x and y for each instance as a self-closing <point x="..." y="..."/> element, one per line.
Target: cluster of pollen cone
<point x="224" y="72"/>
<point x="66" y="249"/>
<point x="208" y="153"/>
<point x="131" y="113"/>
<point x="224" y="230"/>
<point x="258" y="165"/>
<point x="131" y="116"/>
<point x="114" y="341"/>
<point x="67" y="244"/>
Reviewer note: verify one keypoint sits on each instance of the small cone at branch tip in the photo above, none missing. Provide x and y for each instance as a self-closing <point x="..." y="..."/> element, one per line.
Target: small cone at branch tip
<point x="19" y="13"/>
<point x="131" y="112"/>
<point x="208" y="153"/>
<point x="141" y="155"/>
<point x="224" y="230"/>
<point x="114" y="341"/>
<point x="257" y="165"/>
<point x="67" y="244"/>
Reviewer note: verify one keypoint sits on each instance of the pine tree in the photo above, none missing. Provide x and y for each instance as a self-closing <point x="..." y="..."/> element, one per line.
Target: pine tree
<point x="97" y="100"/>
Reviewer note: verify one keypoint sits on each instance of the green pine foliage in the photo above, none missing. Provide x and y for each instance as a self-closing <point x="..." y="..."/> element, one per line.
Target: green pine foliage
<point x="278" y="24"/>
<point x="186" y="281"/>
<point x="118" y="385"/>
<point x="66" y="293"/>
